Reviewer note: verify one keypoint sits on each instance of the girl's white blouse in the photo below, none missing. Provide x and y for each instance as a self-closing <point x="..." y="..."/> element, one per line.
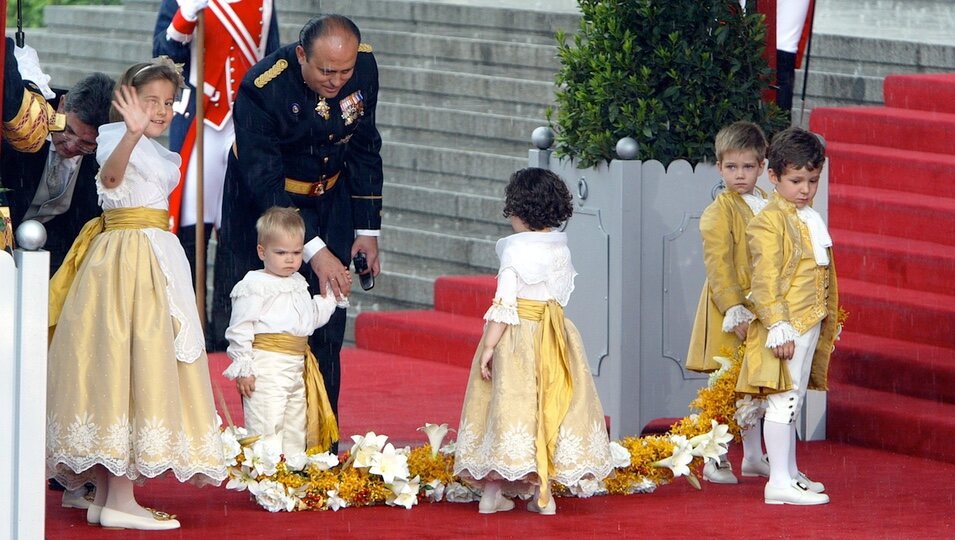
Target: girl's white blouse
<point x="535" y="266"/>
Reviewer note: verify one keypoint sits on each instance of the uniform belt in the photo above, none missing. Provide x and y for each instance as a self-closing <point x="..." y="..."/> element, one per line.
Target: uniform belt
<point x="311" y="189"/>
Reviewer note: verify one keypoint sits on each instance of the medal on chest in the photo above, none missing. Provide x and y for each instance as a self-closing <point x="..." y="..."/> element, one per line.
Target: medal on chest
<point x="323" y="109"/>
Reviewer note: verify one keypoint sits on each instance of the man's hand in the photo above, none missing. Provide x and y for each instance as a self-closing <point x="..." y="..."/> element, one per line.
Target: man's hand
<point x="486" y="355"/>
<point x="331" y="272"/>
<point x="369" y="246"/>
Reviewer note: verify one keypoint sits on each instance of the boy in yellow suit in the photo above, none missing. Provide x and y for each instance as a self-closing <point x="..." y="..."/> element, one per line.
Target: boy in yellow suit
<point x="723" y="315"/>
<point x="795" y="299"/>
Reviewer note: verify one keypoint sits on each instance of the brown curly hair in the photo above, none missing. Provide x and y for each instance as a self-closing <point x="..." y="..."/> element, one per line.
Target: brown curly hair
<point x="539" y="198"/>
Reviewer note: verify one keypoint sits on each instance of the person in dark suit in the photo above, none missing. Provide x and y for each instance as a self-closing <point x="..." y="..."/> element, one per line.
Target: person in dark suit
<point x="306" y="138"/>
<point x="57" y="184"/>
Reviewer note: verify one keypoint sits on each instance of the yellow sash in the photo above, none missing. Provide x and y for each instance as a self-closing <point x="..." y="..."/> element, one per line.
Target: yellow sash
<point x="554" y="388"/>
<point x="321" y="426"/>
<point x="110" y="220"/>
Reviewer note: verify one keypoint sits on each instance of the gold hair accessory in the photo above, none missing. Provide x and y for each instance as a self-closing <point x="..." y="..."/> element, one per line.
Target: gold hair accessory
<point x="164" y="61"/>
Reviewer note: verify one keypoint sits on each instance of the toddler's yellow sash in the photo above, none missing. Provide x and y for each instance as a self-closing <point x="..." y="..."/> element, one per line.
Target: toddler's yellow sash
<point x="554" y="388"/>
<point x="321" y="426"/>
<point x="110" y="220"/>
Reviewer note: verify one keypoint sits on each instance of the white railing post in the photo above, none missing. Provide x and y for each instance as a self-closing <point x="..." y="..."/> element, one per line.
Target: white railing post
<point x="24" y="376"/>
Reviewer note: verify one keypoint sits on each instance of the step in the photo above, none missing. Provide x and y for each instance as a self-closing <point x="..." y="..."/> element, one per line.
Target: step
<point x="428" y="335"/>
<point x="910" y="216"/>
<point x="892" y="365"/>
<point x="91" y="50"/>
<point x="467" y="91"/>
<point x="485" y="187"/>
<point x="872" y="166"/>
<point x="408" y="157"/>
<point x="473" y="252"/>
<point x="881" y="126"/>
<point x="886" y="260"/>
<point x="851" y="88"/>
<point x="122" y="23"/>
<point x="427" y="222"/>
<point x="367" y="302"/>
<point x="877" y="56"/>
<point x="452" y="18"/>
<point x="410" y="278"/>
<point x="934" y="92"/>
<point x="444" y="203"/>
<point x="898" y="313"/>
<point x="449" y="128"/>
<point x="891" y="422"/>
<point x="464" y="295"/>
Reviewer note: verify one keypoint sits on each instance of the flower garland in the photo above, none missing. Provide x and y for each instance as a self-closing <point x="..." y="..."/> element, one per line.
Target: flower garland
<point x="374" y="472"/>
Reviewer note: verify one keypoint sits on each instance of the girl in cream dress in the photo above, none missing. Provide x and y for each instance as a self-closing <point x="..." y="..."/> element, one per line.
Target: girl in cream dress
<point x="129" y="394"/>
<point x="518" y="434"/>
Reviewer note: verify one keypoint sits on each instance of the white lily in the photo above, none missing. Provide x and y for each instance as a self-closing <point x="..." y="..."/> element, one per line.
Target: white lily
<point x="334" y="502"/>
<point x="389" y="464"/>
<point x="240" y="478"/>
<point x="436" y="434"/>
<point x="619" y="455"/>
<point x="231" y="449"/>
<point x="323" y="461"/>
<point x="725" y="364"/>
<point x="449" y="448"/>
<point x="712" y="445"/>
<point x="366" y="447"/>
<point x="296" y="461"/>
<point x="263" y="456"/>
<point x="435" y="490"/>
<point x="748" y="411"/>
<point x="588" y="487"/>
<point x="405" y="492"/>
<point x="682" y="456"/>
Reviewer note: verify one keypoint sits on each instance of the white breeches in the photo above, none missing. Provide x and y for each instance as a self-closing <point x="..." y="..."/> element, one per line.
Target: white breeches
<point x="790" y="19"/>
<point x="216" y="147"/>
<point x="277" y="406"/>
<point x="783" y="407"/>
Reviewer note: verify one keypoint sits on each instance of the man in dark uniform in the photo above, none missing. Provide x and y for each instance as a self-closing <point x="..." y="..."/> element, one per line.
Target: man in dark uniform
<point x="55" y="183"/>
<point x="306" y="138"/>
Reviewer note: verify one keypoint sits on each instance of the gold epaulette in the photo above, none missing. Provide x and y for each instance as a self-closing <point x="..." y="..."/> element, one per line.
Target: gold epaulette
<point x="35" y="119"/>
<point x="271" y="73"/>
<point x="364" y="47"/>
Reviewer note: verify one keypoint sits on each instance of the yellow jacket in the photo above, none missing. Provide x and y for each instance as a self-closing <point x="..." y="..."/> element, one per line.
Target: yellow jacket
<point x="726" y="257"/>
<point x="777" y="241"/>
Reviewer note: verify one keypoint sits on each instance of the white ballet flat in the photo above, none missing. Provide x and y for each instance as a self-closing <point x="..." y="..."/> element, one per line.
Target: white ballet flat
<point x="758" y="468"/>
<point x="76" y="498"/>
<point x="795" y="493"/>
<point x="548" y="510"/>
<point x="719" y="473"/>
<point x="499" y="504"/>
<point x="158" y="521"/>
<point x="93" y="514"/>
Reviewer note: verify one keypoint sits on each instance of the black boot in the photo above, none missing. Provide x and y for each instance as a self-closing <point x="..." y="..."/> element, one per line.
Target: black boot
<point x="785" y="79"/>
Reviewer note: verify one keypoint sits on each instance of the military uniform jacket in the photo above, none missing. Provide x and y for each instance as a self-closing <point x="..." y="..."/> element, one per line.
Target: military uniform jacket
<point x="726" y="257"/>
<point x="777" y="241"/>
<point x="280" y="134"/>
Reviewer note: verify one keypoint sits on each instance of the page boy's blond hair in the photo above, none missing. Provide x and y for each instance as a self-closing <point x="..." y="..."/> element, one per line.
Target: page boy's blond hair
<point x="741" y="137"/>
<point x="279" y="220"/>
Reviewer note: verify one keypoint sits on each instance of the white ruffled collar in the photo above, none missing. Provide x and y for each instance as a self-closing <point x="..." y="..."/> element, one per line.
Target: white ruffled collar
<point x="261" y="283"/>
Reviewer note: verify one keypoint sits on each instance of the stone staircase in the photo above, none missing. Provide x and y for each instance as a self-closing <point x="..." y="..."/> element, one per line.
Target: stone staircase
<point x="461" y="90"/>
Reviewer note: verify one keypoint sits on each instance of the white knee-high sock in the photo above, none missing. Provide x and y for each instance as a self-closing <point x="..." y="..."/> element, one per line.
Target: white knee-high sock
<point x="753" y="442"/>
<point x="777" y="447"/>
<point x="791" y="461"/>
<point x="120" y="497"/>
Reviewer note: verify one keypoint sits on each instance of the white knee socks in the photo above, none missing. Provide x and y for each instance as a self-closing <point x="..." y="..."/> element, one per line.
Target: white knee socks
<point x="753" y="443"/>
<point x="791" y="462"/>
<point x="778" y="447"/>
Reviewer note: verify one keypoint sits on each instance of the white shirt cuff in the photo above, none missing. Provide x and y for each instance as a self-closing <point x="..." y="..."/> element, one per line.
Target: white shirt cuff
<point x="735" y="316"/>
<point x="311" y="248"/>
<point x="780" y="334"/>
<point x="367" y="232"/>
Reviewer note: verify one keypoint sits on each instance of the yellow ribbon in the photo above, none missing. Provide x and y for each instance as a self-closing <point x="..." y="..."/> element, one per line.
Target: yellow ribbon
<point x="554" y="388"/>
<point x="110" y="220"/>
<point x="321" y="426"/>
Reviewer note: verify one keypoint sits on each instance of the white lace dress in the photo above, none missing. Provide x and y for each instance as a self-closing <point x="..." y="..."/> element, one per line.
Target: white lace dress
<point x="496" y="438"/>
<point x="129" y="384"/>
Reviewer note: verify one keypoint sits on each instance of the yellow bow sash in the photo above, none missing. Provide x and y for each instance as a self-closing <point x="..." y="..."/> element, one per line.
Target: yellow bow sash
<point x="554" y="388"/>
<point x="110" y="220"/>
<point x="321" y="426"/>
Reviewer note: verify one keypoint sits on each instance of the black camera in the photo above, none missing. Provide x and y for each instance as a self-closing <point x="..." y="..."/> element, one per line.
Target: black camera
<point x="364" y="274"/>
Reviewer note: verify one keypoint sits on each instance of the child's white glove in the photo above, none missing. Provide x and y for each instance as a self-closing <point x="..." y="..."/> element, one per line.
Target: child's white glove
<point x="190" y="8"/>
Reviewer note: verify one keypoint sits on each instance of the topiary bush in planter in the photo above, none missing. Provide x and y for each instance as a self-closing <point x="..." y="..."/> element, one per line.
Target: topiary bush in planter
<point x="669" y="73"/>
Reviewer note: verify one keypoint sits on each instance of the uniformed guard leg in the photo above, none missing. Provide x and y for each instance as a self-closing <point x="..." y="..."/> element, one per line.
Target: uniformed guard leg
<point x="785" y="79"/>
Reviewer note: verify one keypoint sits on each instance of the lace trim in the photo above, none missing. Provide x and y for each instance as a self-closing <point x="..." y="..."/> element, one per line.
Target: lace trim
<point x="185" y="351"/>
<point x="266" y="287"/>
<point x="781" y="333"/>
<point x="502" y="313"/>
<point x="242" y="366"/>
<point x="735" y="316"/>
<point x="116" y="194"/>
<point x="147" y="451"/>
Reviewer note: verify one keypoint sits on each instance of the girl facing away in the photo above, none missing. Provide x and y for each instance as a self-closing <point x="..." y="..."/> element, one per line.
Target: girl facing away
<point x="129" y="394"/>
<point x="531" y="412"/>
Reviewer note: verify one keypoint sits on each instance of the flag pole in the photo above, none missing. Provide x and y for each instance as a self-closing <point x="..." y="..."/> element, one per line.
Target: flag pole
<point x="200" y="169"/>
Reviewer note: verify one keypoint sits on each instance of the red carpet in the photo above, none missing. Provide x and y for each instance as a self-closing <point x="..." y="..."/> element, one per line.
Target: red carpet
<point x="892" y="217"/>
